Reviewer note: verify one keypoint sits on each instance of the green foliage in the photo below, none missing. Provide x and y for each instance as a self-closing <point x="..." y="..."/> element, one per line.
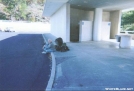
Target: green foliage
<point x="131" y="28"/>
<point x="16" y="8"/>
<point x="3" y="16"/>
<point x="128" y="27"/>
<point x="32" y="18"/>
<point x="40" y="1"/>
<point x="35" y="1"/>
<point x="127" y="18"/>
<point x="127" y="21"/>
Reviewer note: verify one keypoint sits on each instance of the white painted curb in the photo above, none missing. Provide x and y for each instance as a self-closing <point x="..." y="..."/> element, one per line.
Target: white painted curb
<point x="51" y="80"/>
<point x="52" y="76"/>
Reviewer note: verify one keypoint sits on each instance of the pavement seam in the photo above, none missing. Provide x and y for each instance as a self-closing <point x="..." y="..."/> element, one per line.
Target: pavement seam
<point x="53" y="70"/>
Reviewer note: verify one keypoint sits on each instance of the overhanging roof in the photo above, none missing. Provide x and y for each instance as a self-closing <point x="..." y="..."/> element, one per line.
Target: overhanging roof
<point x="109" y="5"/>
<point x="51" y="6"/>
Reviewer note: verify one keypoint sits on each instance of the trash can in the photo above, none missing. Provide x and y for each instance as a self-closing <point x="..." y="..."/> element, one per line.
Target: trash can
<point x="118" y="38"/>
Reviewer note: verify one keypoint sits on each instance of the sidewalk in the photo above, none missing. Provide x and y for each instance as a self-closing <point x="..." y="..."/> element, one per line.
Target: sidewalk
<point x="94" y="66"/>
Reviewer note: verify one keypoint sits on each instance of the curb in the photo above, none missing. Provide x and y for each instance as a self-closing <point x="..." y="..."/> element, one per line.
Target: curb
<point x="51" y="80"/>
<point x="44" y="38"/>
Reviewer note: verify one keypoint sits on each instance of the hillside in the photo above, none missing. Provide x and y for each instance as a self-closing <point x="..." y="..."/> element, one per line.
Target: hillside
<point x="33" y="12"/>
<point x="36" y="10"/>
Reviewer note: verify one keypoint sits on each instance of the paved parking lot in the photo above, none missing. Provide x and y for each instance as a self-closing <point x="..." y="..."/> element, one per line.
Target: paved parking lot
<point x="22" y="65"/>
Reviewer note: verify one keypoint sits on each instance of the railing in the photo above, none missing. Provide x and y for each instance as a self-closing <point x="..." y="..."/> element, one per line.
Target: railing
<point x="127" y="32"/>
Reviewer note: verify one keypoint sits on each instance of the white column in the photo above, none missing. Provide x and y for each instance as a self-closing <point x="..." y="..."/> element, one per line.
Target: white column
<point x="97" y="24"/>
<point x="67" y="22"/>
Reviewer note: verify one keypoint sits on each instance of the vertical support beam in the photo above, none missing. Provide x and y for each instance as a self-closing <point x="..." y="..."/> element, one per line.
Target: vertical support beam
<point x="97" y="24"/>
<point x="115" y="18"/>
<point x="67" y="22"/>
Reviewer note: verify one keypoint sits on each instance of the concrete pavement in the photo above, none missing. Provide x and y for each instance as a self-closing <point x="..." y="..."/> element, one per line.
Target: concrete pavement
<point x="94" y="66"/>
<point x="22" y="65"/>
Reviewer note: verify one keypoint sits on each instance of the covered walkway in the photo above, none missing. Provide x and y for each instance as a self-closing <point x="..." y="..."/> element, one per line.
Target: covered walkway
<point x="94" y="66"/>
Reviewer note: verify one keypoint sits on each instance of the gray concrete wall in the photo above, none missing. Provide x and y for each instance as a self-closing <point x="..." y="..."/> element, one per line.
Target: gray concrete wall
<point x="76" y="15"/>
<point x="115" y="18"/>
<point x="106" y="16"/>
<point x="60" y="23"/>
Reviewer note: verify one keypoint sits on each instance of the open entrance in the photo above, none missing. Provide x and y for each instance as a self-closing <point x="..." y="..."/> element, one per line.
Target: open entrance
<point x="127" y="22"/>
<point x="76" y="16"/>
<point x="74" y="33"/>
<point x="81" y="25"/>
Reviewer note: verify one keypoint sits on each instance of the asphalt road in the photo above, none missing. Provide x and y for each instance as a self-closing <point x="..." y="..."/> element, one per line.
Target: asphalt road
<point x="22" y="65"/>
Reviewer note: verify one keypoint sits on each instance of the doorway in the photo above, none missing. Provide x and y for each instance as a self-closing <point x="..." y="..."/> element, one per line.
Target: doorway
<point x="74" y="33"/>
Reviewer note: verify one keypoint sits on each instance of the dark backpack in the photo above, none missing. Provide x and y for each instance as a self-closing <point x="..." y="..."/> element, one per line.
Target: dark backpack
<point x="64" y="48"/>
<point x="59" y="41"/>
<point x="58" y="48"/>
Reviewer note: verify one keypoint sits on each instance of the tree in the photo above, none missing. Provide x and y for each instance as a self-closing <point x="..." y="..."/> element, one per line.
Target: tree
<point x="30" y="1"/>
<point x="3" y="16"/>
<point x="40" y="1"/>
<point x="24" y="9"/>
<point x="127" y="21"/>
<point x="128" y="18"/>
<point x="16" y="8"/>
<point x="35" y="1"/>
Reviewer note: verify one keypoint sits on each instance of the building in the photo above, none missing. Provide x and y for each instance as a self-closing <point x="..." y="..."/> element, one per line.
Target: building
<point x="84" y="20"/>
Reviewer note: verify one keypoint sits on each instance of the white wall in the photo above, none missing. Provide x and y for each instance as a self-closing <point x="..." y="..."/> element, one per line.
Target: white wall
<point x="23" y="27"/>
<point x="60" y="23"/>
<point x="85" y="31"/>
<point x="105" y="28"/>
<point x="105" y="32"/>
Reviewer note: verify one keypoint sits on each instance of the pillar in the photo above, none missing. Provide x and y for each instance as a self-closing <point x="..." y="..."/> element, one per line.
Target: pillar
<point x="67" y="22"/>
<point x="97" y="24"/>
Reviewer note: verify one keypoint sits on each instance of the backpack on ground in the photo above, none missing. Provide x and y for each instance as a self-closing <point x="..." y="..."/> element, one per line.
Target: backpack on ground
<point x="59" y="41"/>
<point x="60" y="46"/>
<point x="64" y="48"/>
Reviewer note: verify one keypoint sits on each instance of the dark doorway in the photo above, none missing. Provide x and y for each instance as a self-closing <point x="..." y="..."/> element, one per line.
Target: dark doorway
<point x="74" y="33"/>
